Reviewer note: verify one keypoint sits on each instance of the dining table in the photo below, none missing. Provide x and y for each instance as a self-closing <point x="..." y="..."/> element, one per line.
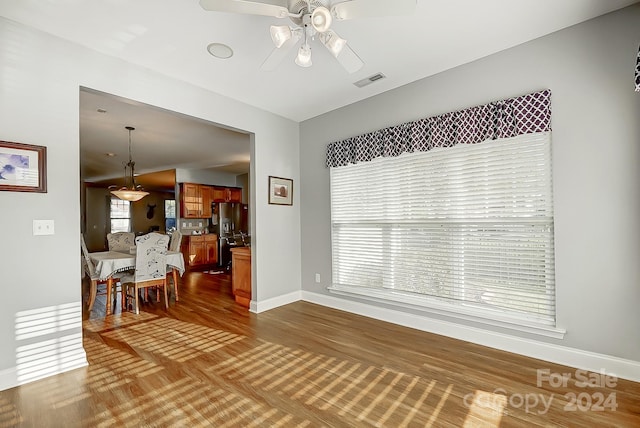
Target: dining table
<point x="109" y="263"/>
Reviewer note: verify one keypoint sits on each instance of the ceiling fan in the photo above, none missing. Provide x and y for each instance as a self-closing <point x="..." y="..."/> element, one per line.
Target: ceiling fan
<point x="312" y="19"/>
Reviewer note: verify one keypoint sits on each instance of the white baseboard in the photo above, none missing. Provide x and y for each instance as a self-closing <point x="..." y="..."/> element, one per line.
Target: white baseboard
<point x="579" y="359"/>
<point x="274" y="302"/>
<point x="9" y="378"/>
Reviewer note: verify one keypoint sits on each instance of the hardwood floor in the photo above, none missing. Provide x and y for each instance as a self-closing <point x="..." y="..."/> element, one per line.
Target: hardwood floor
<point x="209" y="362"/>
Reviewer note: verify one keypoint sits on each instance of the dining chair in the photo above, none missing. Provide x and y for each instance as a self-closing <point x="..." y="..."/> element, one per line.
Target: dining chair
<point x="150" y="269"/>
<point x="90" y="271"/>
<point x="121" y="241"/>
<point x="174" y="245"/>
<point x="176" y="240"/>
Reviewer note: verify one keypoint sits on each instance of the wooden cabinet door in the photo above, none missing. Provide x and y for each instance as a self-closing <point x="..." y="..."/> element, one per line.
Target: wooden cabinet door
<point x="235" y="195"/>
<point x="211" y="251"/>
<point x="191" y="200"/>
<point x="196" y="250"/>
<point x="219" y="194"/>
<point x="207" y="198"/>
<point x="227" y="194"/>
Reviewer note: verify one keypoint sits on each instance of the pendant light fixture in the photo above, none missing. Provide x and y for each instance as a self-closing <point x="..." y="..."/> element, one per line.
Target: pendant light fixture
<point x="130" y="191"/>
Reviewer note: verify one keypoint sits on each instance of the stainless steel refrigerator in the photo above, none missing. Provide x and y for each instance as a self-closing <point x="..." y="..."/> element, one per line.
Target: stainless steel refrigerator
<point x="229" y="222"/>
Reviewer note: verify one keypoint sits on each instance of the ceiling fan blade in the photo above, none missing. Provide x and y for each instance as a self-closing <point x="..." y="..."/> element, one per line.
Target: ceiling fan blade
<point x="372" y="8"/>
<point x="341" y="51"/>
<point x="278" y="54"/>
<point x="246" y="7"/>
<point x="349" y="60"/>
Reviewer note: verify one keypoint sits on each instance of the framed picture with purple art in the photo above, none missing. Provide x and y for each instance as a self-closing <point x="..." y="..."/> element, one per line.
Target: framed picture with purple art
<point x="280" y="191"/>
<point x="23" y="167"/>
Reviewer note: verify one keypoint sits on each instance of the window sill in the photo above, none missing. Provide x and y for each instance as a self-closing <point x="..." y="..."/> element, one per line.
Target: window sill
<point x="430" y="305"/>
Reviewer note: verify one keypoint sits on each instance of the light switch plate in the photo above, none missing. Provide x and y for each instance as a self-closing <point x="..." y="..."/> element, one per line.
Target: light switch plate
<point x="43" y="227"/>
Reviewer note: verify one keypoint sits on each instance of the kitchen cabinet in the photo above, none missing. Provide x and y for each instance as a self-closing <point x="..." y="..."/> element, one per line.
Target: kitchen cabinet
<point x="227" y="194"/>
<point x="190" y="200"/>
<point x="235" y="195"/>
<point x="200" y="250"/>
<point x="241" y="275"/>
<point x="219" y="194"/>
<point x="196" y="199"/>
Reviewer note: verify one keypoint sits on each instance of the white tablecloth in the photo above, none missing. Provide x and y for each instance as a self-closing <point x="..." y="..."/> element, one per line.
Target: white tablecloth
<point x="110" y="262"/>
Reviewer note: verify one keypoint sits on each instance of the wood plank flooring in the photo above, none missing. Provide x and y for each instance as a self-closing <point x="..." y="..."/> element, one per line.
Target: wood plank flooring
<point x="208" y="362"/>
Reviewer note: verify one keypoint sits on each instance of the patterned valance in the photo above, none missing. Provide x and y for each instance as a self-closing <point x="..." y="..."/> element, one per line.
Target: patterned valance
<point x="500" y="119"/>
<point x="638" y="72"/>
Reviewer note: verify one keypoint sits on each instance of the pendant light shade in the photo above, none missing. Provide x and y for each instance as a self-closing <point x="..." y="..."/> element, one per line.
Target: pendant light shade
<point x="130" y="191"/>
<point x="129" y="195"/>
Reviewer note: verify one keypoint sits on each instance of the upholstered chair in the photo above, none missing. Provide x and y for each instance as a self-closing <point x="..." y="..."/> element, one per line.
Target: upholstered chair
<point x="176" y="240"/>
<point x="151" y="268"/>
<point x="174" y="245"/>
<point x="121" y="241"/>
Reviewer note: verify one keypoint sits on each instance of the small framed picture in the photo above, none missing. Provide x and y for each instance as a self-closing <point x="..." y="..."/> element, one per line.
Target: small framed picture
<point x="23" y="167"/>
<point x="280" y="191"/>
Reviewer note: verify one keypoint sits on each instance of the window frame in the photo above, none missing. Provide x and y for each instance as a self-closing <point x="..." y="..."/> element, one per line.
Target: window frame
<point x="128" y="218"/>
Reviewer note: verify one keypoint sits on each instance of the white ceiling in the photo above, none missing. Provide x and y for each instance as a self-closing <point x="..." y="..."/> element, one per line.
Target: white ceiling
<point x="171" y="36"/>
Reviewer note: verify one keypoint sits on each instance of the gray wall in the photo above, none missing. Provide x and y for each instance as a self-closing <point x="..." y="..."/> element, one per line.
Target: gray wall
<point x="205" y="176"/>
<point x="596" y="153"/>
<point x="40" y="80"/>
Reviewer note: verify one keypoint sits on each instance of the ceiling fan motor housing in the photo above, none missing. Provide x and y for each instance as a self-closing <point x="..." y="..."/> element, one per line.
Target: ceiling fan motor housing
<point x="301" y="7"/>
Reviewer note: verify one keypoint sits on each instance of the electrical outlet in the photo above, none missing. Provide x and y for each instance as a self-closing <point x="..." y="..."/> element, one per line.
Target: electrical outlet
<point x="43" y="227"/>
<point x="318" y="277"/>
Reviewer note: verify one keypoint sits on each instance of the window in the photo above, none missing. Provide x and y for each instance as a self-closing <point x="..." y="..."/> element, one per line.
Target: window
<point x="120" y="215"/>
<point x="170" y="214"/>
<point x="465" y="230"/>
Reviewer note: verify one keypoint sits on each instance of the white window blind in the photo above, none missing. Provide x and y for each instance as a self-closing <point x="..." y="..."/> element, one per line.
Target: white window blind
<point x="468" y="228"/>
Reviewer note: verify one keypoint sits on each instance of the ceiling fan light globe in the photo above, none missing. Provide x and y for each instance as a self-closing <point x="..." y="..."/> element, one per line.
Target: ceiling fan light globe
<point x="280" y="34"/>
<point x="321" y="19"/>
<point x="304" y="56"/>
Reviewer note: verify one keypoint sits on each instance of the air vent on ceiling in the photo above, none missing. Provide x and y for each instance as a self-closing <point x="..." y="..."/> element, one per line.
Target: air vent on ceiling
<point x="369" y="80"/>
